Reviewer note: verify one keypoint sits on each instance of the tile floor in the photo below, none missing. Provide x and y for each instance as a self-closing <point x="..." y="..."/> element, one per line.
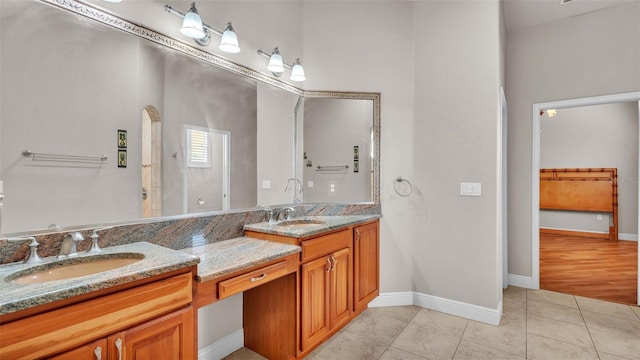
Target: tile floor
<point x="536" y="324"/>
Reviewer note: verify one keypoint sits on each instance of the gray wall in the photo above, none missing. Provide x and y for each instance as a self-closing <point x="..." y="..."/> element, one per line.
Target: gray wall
<point x="209" y="98"/>
<point x="588" y="55"/>
<point x="439" y="127"/>
<point x="275" y="144"/>
<point x="43" y="111"/>
<point x="594" y="136"/>
<point x="331" y="129"/>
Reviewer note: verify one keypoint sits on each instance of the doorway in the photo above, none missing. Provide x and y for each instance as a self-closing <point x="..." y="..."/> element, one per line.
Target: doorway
<point x="537" y="109"/>
<point x="206" y="184"/>
<point x="151" y="191"/>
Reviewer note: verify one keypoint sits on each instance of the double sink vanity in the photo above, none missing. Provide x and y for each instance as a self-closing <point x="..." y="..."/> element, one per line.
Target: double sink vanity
<point x="302" y="280"/>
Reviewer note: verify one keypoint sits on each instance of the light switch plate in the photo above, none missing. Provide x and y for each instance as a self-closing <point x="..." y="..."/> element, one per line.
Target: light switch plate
<point x="470" y="189"/>
<point x="266" y="184"/>
<point x="310" y="183"/>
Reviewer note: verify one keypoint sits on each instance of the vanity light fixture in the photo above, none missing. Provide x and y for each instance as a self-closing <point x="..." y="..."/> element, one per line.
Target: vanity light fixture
<point x="193" y="27"/>
<point x="277" y="65"/>
<point x="113" y="1"/>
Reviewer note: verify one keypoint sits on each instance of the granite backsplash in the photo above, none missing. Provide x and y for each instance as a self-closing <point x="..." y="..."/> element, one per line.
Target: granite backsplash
<point x="175" y="233"/>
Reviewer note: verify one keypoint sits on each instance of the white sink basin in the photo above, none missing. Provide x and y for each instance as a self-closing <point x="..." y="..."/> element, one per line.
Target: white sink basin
<point x="73" y="268"/>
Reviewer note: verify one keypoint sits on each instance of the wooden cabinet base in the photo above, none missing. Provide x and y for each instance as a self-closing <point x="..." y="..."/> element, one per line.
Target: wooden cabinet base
<point x="269" y="319"/>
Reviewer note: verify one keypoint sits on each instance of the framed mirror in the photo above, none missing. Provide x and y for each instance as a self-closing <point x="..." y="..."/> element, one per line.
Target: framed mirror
<point x="79" y="78"/>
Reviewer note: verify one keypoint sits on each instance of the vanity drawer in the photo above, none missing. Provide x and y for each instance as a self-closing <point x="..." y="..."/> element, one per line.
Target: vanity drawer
<point x="252" y="279"/>
<point x="325" y="245"/>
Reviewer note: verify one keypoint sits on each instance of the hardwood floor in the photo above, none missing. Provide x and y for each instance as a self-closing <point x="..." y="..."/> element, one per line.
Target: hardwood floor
<point x="593" y="268"/>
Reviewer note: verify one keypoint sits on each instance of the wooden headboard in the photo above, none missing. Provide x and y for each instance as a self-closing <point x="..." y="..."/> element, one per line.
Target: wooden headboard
<point x="588" y="189"/>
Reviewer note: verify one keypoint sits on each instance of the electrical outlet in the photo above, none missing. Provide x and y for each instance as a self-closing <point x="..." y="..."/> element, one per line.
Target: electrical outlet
<point x="333" y="188"/>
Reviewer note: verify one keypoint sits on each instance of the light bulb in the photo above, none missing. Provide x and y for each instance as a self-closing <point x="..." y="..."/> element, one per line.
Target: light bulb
<point x="297" y="71"/>
<point x="275" y="62"/>
<point x="229" y="40"/>
<point x="192" y="24"/>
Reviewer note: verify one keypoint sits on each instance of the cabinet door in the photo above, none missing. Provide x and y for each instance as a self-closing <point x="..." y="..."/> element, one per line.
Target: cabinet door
<point x="169" y="337"/>
<point x="341" y="287"/>
<point x="367" y="265"/>
<point x="314" y="301"/>
<point x="96" y="350"/>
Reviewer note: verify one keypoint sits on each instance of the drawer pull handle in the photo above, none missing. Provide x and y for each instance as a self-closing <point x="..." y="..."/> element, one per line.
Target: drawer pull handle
<point x="119" y="347"/>
<point x="357" y="234"/>
<point x="330" y="265"/>
<point x="334" y="263"/>
<point x="98" y="352"/>
<point x="261" y="277"/>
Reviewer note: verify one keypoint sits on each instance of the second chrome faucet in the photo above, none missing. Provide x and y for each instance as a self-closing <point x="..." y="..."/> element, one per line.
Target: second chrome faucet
<point x="68" y="247"/>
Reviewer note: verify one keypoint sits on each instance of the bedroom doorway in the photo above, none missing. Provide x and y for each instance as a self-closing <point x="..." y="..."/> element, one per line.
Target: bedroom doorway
<point x="628" y="180"/>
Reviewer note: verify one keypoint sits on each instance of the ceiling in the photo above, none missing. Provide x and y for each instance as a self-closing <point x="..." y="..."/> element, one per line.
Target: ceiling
<point x="524" y="13"/>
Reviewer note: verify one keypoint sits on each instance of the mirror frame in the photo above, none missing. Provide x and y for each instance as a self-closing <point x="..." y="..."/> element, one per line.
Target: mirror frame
<point x="118" y="23"/>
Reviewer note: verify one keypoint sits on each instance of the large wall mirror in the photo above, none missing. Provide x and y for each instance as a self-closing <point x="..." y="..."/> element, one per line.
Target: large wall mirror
<point x="182" y="133"/>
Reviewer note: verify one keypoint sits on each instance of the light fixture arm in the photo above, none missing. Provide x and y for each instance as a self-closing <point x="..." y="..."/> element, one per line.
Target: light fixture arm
<point x="207" y="28"/>
<point x="268" y="55"/>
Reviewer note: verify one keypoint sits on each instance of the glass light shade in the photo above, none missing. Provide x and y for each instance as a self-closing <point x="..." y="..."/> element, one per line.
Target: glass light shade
<point x="297" y="72"/>
<point x="275" y="62"/>
<point x="229" y="40"/>
<point x="192" y="24"/>
<point x="113" y="1"/>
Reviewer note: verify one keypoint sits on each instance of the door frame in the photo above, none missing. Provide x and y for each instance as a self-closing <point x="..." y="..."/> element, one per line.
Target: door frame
<point x="226" y="165"/>
<point x="535" y="174"/>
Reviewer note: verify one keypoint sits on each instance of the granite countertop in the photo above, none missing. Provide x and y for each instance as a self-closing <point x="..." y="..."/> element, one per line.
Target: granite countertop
<point x="157" y="260"/>
<point x="225" y="257"/>
<point x="329" y="223"/>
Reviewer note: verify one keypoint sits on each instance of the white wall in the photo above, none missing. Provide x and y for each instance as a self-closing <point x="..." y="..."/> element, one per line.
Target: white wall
<point x="592" y="54"/>
<point x="455" y="140"/>
<point x="599" y="136"/>
<point x="275" y="144"/>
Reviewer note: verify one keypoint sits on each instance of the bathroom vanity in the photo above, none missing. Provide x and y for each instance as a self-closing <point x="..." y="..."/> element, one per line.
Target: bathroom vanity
<point x="136" y="311"/>
<point x="301" y="283"/>
<point x="338" y="276"/>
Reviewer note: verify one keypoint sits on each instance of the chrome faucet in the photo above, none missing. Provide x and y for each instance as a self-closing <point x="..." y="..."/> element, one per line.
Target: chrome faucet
<point x="287" y="213"/>
<point x="68" y="247"/>
<point x="33" y="256"/>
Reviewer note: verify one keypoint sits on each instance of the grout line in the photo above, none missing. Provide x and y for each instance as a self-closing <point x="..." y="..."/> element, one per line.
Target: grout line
<point x="400" y="332"/>
<point x="587" y="327"/>
<point x="461" y="336"/>
<point x="526" y="324"/>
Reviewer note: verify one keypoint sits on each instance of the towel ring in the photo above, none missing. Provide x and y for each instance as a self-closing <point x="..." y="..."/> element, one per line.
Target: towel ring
<point x="400" y="180"/>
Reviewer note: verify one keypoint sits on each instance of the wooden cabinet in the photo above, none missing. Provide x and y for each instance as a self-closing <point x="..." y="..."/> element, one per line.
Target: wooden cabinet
<point x="169" y="337"/>
<point x="338" y="277"/>
<point x="96" y="350"/>
<point x="366" y="253"/>
<point x="326" y="291"/>
<point x="151" y="321"/>
<point x="162" y="338"/>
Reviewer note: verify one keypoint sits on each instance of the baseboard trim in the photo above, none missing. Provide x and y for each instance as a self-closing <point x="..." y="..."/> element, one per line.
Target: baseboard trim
<point x="628" y="237"/>
<point x="393" y="299"/>
<point x="223" y="347"/>
<point x="590" y="234"/>
<point x="521" y="281"/>
<point x="453" y="307"/>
